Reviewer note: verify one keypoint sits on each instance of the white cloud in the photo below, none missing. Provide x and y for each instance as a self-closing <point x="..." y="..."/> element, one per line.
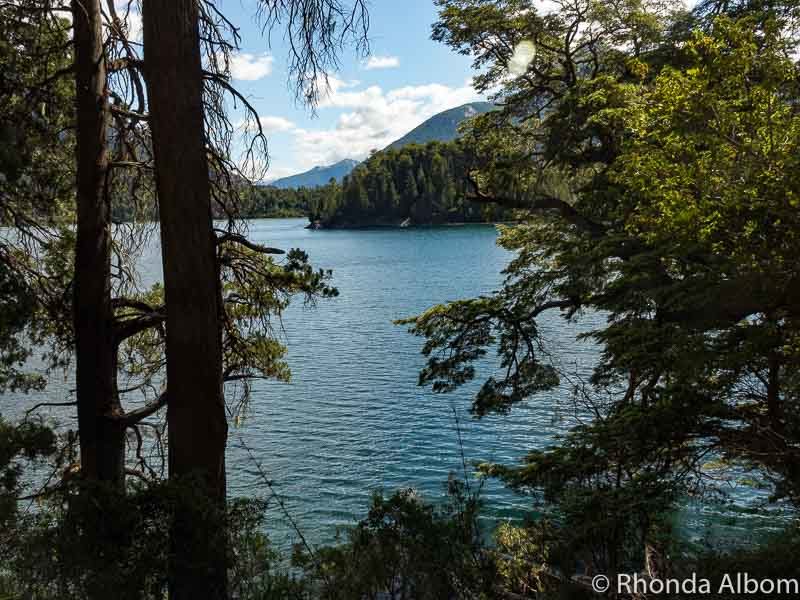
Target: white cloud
<point x="275" y="124"/>
<point x="382" y="62"/>
<point x="546" y="7"/>
<point x="373" y="118"/>
<point x="250" y="67"/>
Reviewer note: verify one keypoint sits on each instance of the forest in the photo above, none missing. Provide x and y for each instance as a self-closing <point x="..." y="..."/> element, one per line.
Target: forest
<point x="416" y="184"/>
<point x="271" y="202"/>
<point x="647" y="153"/>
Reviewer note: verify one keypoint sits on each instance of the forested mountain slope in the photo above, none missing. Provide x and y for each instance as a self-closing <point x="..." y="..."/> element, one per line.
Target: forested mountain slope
<point x="317" y="176"/>
<point x="417" y="184"/>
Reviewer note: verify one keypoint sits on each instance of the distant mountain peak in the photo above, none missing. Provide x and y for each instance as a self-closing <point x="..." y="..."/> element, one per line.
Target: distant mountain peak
<point x="317" y="176"/>
<point x="442" y="127"/>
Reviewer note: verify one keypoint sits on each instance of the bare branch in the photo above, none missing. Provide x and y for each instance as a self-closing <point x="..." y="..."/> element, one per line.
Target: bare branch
<point x="316" y="31"/>
<point x="47" y="404"/>
<point x="227" y="236"/>
<point x="540" y="203"/>
<point x="135" y="416"/>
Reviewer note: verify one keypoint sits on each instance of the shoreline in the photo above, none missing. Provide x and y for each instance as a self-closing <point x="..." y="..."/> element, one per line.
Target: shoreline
<point x="317" y="226"/>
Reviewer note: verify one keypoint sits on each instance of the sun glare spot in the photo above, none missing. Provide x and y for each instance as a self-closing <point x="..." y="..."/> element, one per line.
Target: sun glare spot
<point x="522" y="57"/>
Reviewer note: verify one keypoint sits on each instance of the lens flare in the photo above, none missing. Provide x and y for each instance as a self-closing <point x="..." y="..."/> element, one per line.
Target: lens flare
<point x="523" y="56"/>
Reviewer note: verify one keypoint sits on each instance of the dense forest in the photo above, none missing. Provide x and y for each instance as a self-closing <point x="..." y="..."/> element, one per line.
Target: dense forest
<point x="416" y="184"/>
<point x="649" y="152"/>
<point x="266" y="202"/>
<point x="252" y="202"/>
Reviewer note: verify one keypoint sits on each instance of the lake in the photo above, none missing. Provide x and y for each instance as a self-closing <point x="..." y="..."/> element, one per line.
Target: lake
<point x="353" y="419"/>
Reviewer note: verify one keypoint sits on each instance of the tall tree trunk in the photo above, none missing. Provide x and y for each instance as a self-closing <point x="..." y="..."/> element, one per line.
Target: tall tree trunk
<point x="197" y="424"/>
<point x="101" y="437"/>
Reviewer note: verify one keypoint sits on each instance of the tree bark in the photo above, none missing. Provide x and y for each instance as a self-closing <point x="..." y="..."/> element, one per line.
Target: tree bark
<point x="102" y="444"/>
<point x="196" y="417"/>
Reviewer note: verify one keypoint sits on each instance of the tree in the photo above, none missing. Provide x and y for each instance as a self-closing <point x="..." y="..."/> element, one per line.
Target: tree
<point x="196" y="409"/>
<point x="193" y="290"/>
<point x="424" y="183"/>
<point x="64" y="158"/>
<point x="36" y="194"/>
<point x="731" y="198"/>
<point x="102" y="445"/>
<point x="658" y="194"/>
<point x="115" y="157"/>
<point x="39" y="180"/>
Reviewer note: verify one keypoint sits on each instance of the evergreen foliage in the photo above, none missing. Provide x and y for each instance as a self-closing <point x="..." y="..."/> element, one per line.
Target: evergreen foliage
<point x="655" y="162"/>
<point x="36" y="179"/>
<point x="407" y="548"/>
<point x="425" y="184"/>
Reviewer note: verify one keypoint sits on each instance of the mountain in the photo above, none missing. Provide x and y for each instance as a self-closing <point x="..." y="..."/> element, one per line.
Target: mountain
<point x="442" y="127"/>
<point x="418" y="184"/>
<point x="317" y="176"/>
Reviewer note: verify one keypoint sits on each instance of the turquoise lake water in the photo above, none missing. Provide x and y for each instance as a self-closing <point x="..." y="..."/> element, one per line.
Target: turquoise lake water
<point x="353" y="419"/>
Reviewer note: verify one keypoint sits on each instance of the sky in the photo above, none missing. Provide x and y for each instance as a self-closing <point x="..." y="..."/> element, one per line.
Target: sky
<point x="371" y="101"/>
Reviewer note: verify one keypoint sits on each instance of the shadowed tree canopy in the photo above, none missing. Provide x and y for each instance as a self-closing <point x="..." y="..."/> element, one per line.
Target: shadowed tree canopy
<point x="653" y="152"/>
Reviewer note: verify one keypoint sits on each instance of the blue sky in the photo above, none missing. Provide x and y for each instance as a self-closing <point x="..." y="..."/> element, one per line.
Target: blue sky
<point x="370" y="104"/>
